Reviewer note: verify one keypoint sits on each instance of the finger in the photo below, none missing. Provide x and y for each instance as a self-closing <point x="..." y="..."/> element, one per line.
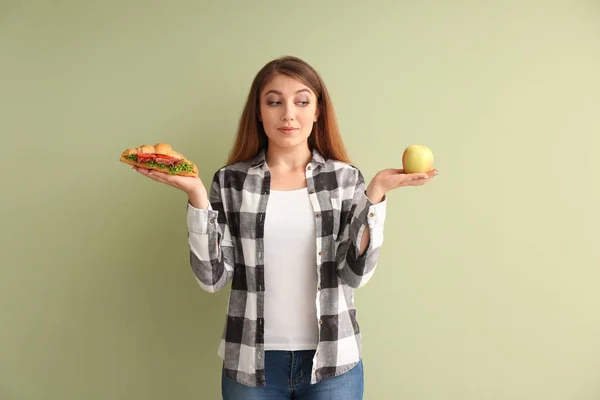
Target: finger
<point x="418" y="176"/>
<point x="156" y="175"/>
<point x="143" y="171"/>
<point x="423" y="179"/>
<point x="163" y="177"/>
<point x="150" y="173"/>
<point x="418" y="179"/>
<point x="417" y="182"/>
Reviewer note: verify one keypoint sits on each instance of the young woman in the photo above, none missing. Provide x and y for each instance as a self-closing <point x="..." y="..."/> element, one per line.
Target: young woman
<point x="295" y="228"/>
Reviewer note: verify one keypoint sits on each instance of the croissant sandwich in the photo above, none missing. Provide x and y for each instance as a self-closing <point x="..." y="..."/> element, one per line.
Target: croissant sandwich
<point x="160" y="157"/>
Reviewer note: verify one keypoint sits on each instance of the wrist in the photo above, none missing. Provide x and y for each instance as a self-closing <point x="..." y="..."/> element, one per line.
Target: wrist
<point x="375" y="193"/>
<point x="198" y="198"/>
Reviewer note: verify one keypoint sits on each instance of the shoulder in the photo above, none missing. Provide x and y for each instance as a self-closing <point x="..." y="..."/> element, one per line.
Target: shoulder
<point x="238" y="168"/>
<point x="338" y="178"/>
<point x="346" y="174"/>
<point x="233" y="176"/>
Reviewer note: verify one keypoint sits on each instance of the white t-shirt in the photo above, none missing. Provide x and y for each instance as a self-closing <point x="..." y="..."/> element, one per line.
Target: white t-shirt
<point x="290" y="272"/>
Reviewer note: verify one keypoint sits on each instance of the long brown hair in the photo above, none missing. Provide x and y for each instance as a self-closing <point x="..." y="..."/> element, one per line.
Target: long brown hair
<point x="325" y="136"/>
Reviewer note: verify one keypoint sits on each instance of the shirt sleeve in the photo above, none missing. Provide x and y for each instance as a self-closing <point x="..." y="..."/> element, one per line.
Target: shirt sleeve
<point x="357" y="269"/>
<point x="209" y="238"/>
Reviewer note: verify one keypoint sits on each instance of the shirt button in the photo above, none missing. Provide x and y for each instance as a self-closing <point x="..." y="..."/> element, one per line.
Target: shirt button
<point x="320" y="253"/>
<point x="319" y="215"/>
<point x="319" y="287"/>
<point x="372" y="215"/>
<point x="309" y="167"/>
<point x="320" y="322"/>
<point x="212" y="221"/>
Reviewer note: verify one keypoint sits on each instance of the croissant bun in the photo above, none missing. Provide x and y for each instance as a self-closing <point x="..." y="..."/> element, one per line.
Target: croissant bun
<point x="160" y="157"/>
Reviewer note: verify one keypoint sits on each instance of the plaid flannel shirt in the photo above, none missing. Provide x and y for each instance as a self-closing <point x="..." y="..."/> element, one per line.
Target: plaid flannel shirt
<point x="226" y="244"/>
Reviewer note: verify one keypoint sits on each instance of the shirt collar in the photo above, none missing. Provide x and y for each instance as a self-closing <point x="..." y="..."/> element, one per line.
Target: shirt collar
<point x="260" y="158"/>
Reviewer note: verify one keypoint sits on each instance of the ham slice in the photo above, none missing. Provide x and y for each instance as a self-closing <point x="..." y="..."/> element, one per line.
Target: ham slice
<point x="159" y="158"/>
<point x="167" y="160"/>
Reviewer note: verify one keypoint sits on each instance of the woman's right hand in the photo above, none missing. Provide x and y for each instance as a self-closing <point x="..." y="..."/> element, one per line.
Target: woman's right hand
<point x="192" y="186"/>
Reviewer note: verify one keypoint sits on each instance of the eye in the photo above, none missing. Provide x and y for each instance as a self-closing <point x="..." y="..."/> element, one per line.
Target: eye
<point x="303" y="103"/>
<point x="273" y="103"/>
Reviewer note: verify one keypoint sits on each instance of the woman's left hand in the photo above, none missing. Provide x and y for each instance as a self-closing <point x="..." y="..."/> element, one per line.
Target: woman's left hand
<point x="391" y="178"/>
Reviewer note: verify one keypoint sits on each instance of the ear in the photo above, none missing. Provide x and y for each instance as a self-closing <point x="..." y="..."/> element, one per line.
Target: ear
<point x="317" y="112"/>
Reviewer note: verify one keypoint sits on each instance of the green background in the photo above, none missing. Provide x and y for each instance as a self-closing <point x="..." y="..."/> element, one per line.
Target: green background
<point x="488" y="285"/>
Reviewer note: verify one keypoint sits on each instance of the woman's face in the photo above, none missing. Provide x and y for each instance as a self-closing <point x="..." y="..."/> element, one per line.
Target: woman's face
<point x="288" y="110"/>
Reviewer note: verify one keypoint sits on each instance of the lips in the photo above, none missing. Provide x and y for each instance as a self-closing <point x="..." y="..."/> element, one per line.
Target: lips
<point x="287" y="129"/>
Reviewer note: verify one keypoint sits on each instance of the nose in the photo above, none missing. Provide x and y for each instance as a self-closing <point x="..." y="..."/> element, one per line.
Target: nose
<point x="287" y="113"/>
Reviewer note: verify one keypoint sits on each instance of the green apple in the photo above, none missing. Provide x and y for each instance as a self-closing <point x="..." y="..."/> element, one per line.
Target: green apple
<point x="417" y="159"/>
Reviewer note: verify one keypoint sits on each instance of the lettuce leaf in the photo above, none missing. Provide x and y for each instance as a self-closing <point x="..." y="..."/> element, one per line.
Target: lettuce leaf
<point x="173" y="169"/>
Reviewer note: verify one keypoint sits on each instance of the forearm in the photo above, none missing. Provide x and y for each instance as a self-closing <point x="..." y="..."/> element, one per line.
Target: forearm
<point x="210" y="242"/>
<point x="376" y="196"/>
<point x="364" y="234"/>
<point x="211" y="264"/>
<point x="211" y="249"/>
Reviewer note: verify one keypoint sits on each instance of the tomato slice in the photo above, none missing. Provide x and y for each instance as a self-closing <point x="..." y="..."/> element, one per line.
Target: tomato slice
<point x="145" y="157"/>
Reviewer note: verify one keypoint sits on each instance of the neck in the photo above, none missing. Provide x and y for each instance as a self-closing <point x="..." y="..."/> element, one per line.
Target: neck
<point x="288" y="158"/>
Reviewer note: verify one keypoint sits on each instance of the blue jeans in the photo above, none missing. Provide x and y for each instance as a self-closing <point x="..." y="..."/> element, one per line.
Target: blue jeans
<point x="288" y="377"/>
